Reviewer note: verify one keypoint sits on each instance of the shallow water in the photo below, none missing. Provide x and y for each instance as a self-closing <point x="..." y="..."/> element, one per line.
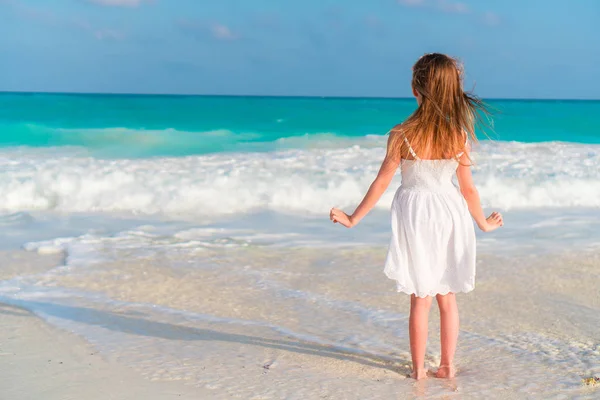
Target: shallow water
<point x="324" y="320"/>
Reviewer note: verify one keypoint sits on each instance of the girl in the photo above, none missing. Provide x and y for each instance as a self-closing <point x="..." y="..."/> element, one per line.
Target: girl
<point x="432" y="251"/>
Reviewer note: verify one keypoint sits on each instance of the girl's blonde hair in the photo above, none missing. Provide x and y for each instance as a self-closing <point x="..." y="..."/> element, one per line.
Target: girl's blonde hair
<point x="447" y="115"/>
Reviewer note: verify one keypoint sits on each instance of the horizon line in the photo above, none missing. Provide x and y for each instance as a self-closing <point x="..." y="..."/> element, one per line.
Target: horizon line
<point x="74" y="93"/>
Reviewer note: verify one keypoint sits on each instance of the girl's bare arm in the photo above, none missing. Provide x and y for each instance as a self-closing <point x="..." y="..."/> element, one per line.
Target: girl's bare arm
<point x="471" y="195"/>
<point x="379" y="185"/>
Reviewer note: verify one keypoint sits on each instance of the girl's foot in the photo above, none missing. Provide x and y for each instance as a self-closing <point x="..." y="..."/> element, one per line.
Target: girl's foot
<point x="419" y="374"/>
<point x="445" y="372"/>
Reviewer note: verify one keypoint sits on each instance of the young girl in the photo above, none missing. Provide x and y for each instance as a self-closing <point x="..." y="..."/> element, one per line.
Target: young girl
<point x="432" y="251"/>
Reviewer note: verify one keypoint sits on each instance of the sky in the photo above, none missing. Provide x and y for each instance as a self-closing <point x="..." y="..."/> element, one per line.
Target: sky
<point x="510" y="48"/>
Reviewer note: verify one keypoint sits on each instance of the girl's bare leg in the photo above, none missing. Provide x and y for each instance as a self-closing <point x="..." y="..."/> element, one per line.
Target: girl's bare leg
<point x="417" y="327"/>
<point x="448" y="333"/>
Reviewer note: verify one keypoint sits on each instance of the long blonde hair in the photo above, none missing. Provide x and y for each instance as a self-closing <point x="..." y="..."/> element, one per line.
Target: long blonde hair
<point x="447" y="115"/>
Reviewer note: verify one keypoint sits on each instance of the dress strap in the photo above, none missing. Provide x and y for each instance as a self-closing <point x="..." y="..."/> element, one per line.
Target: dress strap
<point x="459" y="155"/>
<point x="410" y="149"/>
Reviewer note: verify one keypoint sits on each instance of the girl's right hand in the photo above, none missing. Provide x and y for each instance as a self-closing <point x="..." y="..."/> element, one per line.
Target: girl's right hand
<point x="493" y="222"/>
<point x="338" y="216"/>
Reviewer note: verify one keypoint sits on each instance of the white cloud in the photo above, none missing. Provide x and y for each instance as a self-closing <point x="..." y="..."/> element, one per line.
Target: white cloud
<point x="109" y="34"/>
<point x="373" y="21"/>
<point x="201" y="29"/>
<point x="412" y="3"/>
<point x="446" y="6"/>
<point x="222" y="32"/>
<point x="119" y="3"/>
<point x="491" y="19"/>
<point x="452" y="7"/>
<point x="50" y="19"/>
<point x="99" y="33"/>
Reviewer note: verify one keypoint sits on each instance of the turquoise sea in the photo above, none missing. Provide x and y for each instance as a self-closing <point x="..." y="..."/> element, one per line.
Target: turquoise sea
<point x="141" y="126"/>
<point x="193" y="232"/>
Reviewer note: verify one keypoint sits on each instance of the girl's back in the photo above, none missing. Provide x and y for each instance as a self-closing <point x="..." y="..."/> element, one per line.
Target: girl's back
<point x="427" y="174"/>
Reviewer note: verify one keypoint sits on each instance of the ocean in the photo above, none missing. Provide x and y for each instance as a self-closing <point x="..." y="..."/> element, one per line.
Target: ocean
<point x="197" y="219"/>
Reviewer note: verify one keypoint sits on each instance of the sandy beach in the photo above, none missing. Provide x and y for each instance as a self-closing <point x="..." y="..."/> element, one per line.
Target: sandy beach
<point x="38" y="361"/>
<point x="291" y="325"/>
<point x="41" y="362"/>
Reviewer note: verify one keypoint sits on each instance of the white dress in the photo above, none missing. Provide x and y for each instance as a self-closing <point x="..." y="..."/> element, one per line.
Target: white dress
<point x="432" y="250"/>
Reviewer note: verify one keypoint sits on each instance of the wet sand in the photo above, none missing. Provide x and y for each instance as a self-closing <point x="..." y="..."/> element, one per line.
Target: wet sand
<point x="291" y="323"/>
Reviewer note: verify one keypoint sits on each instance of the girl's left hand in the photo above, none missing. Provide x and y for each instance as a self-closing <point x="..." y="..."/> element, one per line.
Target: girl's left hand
<point x="338" y="216"/>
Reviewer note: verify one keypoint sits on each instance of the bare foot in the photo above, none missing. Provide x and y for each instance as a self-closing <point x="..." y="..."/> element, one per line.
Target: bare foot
<point x="419" y="374"/>
<point x="445" y="372"/>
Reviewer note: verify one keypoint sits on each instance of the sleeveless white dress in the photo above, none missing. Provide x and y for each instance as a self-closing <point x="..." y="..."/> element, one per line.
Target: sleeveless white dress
<point x="432" y="250"/>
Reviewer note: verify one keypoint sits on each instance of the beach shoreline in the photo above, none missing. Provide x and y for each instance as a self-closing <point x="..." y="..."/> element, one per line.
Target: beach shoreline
<point x="39" y="361"/>
<point x="291" y="324"/>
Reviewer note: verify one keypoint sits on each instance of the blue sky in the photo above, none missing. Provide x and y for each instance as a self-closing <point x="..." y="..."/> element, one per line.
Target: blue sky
<point x="511" y="49"/>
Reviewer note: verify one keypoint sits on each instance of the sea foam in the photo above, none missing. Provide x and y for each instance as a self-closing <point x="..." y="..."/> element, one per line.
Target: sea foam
<point x="509" y="175"/>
